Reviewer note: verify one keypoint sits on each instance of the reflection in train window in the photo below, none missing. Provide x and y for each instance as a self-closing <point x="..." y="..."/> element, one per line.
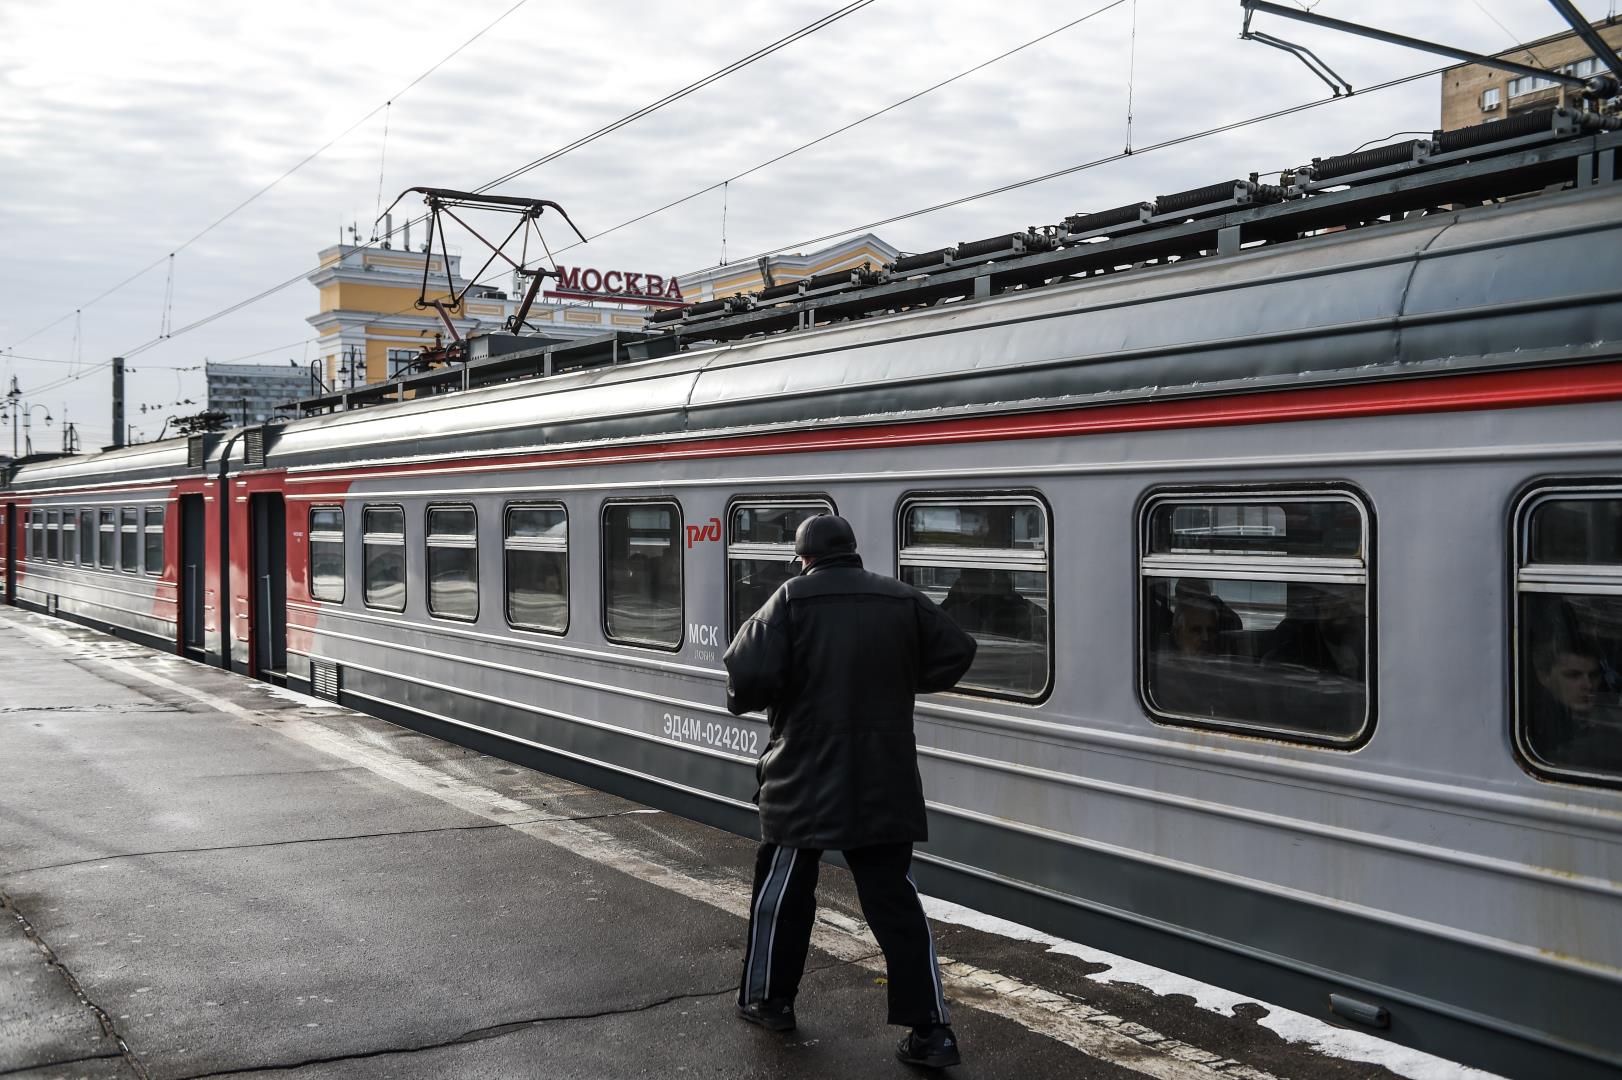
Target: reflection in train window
<point x="53" y="536"/>
<point x="985" y="562"/>
<point x="1255" y="613"/>
<point x="152" y="533"/>
<point x="383" y="550"/>
<point x="107" y="552"/>
<point x="129" y="540"/>
<point x="536" y="540"/>
<point x="70" y="535"/>
<point x="760" y="553"/>
<point x="327" y="553"/>
<point x="453" y="563"/>
<point x="642" y="587"/>
<point x="1569" y="671"/>
<point x="87" y="538"/>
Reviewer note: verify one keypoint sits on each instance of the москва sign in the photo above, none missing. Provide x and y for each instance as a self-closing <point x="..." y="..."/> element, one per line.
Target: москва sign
<point x="588" y="283"/>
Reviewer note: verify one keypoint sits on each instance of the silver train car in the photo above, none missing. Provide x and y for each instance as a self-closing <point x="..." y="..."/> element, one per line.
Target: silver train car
<point x="1295" y="560"/>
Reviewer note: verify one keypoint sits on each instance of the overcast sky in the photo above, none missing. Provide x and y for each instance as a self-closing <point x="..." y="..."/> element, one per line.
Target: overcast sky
<point x="126" y="129"/>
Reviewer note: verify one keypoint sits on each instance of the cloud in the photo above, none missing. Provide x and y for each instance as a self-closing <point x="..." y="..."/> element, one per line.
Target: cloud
<point x="128" y="128"/>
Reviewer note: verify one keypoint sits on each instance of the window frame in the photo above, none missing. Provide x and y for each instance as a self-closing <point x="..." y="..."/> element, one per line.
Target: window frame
<point x="526" y="543"/>
<point x="69" y="538"/>
<point x="1497" y="94"/>
<point x="459" y="541"/>
<point x="385" y="539"/>
<point x="88" y="534"/>
<point x="131" y="527"/>
<point x="1285" y="568"/>
<point x="603" y="570"/>
<point x="309" y="553"/>
<point x="1008" y="560"/>
<point x="147" y="529"/>
<point x="107" y="526"/>
<point x="730" y="549"/>
<point x="1602" y="579"/>
<point x="53" y="536"/>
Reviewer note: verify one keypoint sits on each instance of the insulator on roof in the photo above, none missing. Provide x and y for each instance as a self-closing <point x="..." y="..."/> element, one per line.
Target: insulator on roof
<point x="1003" y="246"/>
<point x="1215" y="198"/>
<point x="1381" y="157"/>
<point x="1536" y="122"/>
<point x="1084" y="225"/>
<point x="909" y="264"/>
<point x="777" y="292"/>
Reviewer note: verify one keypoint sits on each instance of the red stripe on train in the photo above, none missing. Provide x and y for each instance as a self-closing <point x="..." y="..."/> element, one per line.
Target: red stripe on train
<point x="1452" y="393"/>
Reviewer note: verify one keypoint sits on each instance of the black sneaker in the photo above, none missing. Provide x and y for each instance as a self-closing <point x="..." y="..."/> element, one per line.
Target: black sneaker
<point x="773" y="1014"/>
<point x="936" y="1050"/>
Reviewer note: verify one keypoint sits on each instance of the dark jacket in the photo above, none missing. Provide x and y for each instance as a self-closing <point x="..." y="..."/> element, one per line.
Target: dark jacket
<point x="835" y="657"/>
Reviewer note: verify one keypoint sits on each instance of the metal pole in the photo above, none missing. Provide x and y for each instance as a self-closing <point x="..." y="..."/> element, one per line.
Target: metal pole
<point x="1411" y="43"/>
<point x="119" y="436"/>
<point x="1601" y="48"/>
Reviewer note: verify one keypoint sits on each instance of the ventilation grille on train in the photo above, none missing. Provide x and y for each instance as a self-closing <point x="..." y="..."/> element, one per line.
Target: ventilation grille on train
<point x="324" y="679"/>
<point x="195" y="453"/>
<point x="253" y="446"/>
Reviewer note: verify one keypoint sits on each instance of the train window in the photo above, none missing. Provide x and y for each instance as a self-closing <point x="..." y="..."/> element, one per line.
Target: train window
<point x="642" y="586"/>
<point x="985" y="562"/>
<point x="107" y="534"/>
<point x="383" y="549"/>
<point x="1569" y="635"/>
<point x="36" y="534"/>
<point x="87" y="538"/>
<point x="327" y="553"/>
<point x="53" y="536"/>
<point x="453" y="563"/>
<point x="129" y="541"/>
<point x="536" y="541"/>
<point x="1255" y="613"/>
<point x="152" y="534"/>
<point x="760" y="553"/>
<point x="70" y="536"/>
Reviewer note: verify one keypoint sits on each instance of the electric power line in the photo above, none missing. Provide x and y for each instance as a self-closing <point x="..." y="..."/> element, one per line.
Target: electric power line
<point x="323" y="148"/>
<point x="1057" y="173"/>
<point x="841" y="130"/>
<point x="676" y="95"/>
<point x="693" y="87"/>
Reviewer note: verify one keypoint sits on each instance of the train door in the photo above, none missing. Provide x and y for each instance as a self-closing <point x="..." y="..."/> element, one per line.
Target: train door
<point x="268" y="542"/>
<point x="8" y="550"/>
<point x="193" y="583"/>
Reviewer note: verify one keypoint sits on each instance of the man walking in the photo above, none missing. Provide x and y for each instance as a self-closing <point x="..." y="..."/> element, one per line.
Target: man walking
<point x="836" y="657"/>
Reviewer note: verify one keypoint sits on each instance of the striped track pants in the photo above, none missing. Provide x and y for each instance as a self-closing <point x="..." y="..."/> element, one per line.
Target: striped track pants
<point x="784" y="908"/>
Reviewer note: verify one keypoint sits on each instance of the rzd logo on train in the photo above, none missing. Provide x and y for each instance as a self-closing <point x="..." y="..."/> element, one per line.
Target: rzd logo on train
<point x="712" y="531"/>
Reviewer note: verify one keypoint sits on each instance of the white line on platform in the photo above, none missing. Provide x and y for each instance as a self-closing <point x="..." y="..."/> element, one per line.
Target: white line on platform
<point x="1081" y="1026"/>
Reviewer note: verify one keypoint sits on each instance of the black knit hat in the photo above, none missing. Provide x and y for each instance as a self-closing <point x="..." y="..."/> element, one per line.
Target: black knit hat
<point x="825" y="534"/>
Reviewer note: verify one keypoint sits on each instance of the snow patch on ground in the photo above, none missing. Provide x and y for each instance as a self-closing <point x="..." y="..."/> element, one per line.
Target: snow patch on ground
<point x="294" y="696"/>
<point x="1292" y="1026"/>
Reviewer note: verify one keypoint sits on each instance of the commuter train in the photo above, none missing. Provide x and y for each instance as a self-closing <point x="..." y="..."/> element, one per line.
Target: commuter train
<point x="1288" y="518"/>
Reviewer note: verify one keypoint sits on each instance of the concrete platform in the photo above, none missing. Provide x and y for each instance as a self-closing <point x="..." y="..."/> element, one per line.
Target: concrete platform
<point x="205" y="877"/>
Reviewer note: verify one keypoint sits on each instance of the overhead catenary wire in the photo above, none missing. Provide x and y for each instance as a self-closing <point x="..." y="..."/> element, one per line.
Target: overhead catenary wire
<point x="875" y="114"/>
<point x="693" y="87"/>
<point x="1093" y="164"/>
<point x="245" y="203"/>
<point x="676" y="95"/>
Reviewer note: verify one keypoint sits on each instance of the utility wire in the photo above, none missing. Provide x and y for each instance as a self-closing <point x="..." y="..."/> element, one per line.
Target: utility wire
<point x="736" y="65"/>
<point x="1029" y="181"/>
<point x="854" y="123"/>
<point x="676" y="95"/>
<point x="323" y="148"/>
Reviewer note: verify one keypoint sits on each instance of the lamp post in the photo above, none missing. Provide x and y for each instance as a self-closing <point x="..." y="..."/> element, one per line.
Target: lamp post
<point x="28" y="424"/>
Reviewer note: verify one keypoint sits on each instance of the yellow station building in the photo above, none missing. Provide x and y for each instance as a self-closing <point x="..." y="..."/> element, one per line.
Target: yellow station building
<point x="369" y="326"/>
